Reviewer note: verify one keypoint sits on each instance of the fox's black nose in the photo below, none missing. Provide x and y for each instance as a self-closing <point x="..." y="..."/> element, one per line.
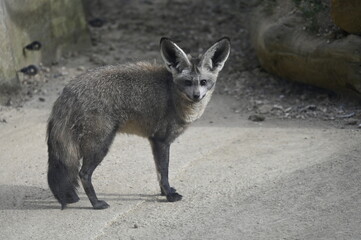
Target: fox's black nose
<point x="196" y="96"/>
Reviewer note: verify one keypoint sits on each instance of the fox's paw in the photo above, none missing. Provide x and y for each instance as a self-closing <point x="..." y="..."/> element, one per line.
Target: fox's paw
<point x="72" y="198"/>
<point x="172" y="190"/>
<point x="100" y="204"/>
<point x="173" y="197"/>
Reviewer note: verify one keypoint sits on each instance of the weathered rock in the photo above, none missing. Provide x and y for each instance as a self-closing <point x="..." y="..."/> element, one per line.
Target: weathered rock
<point x="347" y="15"/>
<point x="285" y="49"/>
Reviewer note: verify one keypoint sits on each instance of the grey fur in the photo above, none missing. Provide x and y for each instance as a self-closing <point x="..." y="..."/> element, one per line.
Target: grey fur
<point x="145" y="99"/>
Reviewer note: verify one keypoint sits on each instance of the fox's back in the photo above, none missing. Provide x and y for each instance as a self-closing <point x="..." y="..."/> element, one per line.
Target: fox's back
<point x="132" y="84"/>
<point x="134" y="95"/>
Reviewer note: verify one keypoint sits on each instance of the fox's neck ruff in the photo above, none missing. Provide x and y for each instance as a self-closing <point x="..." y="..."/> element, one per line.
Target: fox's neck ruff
<point x="187" y="110"/>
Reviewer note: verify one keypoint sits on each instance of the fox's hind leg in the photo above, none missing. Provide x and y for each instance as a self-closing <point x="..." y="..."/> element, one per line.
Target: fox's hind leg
<point x="85" y="174"/>
<point x="161" y="158"/>
<point x="94" y="150"/>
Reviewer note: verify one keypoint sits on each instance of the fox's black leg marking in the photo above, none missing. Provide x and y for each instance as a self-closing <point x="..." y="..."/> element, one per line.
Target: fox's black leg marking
<point x="91" y="158"/>
<point x="172" y="190"/>
<point x="85" y="174"/>
<point x="161" y="158"/>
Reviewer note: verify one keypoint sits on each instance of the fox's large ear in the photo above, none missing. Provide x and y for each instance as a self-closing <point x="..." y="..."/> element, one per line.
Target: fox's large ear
<point x="173" y="56"/>
<point x="215" y="57"/>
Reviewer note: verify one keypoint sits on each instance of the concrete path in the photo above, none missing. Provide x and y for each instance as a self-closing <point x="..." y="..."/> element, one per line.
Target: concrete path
<point x="239" y="179"/>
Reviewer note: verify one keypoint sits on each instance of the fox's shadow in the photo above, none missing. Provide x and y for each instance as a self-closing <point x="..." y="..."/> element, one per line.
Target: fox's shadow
<point x="19" y="197"/>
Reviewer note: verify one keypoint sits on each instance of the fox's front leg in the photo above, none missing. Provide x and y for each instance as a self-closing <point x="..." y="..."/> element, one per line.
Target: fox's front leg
<point x="161" y="159"/>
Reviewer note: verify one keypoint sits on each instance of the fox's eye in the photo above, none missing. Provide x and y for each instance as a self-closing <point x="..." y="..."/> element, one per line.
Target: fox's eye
<point x="188" y="83"/>
<point x="203" y="82"/>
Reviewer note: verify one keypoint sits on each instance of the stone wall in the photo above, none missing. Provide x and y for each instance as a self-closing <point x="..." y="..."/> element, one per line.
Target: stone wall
<point x="59" y="25"/>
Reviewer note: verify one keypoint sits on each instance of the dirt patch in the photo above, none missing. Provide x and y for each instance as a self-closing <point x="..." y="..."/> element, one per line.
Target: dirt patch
<point x="318" y="17"/>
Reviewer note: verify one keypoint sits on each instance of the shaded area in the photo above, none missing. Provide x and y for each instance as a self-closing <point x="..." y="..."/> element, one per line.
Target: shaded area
<point x="16" y="197"/>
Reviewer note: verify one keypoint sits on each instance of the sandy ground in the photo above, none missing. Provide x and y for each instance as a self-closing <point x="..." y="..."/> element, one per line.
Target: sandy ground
<point x="240" y="180"/>
<point x="283" y="178"/>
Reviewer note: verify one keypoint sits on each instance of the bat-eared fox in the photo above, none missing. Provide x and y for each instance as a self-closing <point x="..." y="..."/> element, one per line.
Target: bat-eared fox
<point x="153" y="101"/>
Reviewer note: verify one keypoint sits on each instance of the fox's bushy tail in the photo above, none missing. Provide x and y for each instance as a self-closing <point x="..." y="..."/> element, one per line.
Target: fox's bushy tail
<point x="63" y="163"/>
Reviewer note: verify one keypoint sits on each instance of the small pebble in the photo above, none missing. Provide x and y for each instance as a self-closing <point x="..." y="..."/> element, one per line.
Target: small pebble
<point x="256" y="118"/>
<point x="351" y="122"/>
<point x="80" y="68"/>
